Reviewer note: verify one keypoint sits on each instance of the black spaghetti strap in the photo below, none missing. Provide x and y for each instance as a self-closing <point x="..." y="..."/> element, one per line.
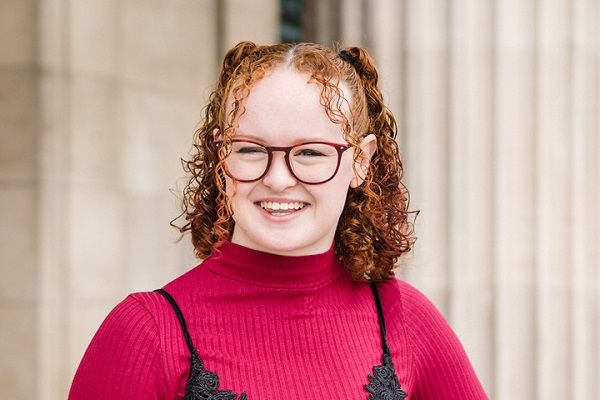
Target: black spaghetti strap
<point x="384" y="382"/>
<point x="201" y="383"/>
<point x="380" y="317"/>
<point x="179" y="314"/>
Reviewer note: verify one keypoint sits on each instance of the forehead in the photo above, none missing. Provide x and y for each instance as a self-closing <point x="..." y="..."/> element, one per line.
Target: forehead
<point x="284" y="107"/>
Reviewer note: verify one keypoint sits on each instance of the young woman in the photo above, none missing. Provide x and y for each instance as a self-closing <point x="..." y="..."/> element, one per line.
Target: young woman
<point x="295" y="203"/>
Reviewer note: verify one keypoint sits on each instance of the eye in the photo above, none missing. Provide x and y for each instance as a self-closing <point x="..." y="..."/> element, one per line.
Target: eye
<point x="251" y="150"/>
<point x="307" y="152"/>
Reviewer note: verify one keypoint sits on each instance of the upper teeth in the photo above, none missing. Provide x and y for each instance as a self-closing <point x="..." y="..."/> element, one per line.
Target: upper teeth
<point x="281" y="206"/>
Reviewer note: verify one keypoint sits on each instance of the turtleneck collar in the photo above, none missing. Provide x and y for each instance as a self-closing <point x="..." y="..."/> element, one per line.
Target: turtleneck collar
<point x="265" y="269"/>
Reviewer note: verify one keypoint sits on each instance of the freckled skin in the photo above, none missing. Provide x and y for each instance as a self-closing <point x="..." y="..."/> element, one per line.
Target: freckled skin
<point x="282" y="110"/>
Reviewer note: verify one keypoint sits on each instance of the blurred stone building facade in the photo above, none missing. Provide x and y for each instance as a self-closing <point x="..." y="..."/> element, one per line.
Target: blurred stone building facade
<point x="498" y="104"/>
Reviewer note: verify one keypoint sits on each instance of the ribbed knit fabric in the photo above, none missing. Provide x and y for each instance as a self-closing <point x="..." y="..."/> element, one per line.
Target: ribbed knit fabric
<point x="277" y="327"/>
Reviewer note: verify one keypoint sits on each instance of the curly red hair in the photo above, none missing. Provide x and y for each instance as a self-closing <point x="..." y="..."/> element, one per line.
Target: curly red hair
<point x="374" y="229"/>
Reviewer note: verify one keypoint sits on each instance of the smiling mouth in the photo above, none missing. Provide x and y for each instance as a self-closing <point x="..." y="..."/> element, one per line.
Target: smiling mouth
<point x="281" y="209"/>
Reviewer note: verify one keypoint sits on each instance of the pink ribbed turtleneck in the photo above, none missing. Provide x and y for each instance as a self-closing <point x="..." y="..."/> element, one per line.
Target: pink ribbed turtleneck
<point x="278" y="328"/>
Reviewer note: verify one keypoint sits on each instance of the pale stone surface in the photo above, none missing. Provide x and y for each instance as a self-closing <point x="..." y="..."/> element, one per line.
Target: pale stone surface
<point x="95" y="144"/>
<point x="515" y="183"/>
<point x="19" y="136"/>
<point x="18" y="32"/>
<point x="257" y="21"/>
<point x="152" y="254"/>
<point x="585" y="237"/>
<point x="426" y="156"/>
<point x="156" y="131"/>
<point x="97" y="226"/>
<point x="553" y="200"/>
<point x="168" y="45"/>
<point x="85" y="317"/>
<point x="18" y="124"/>
<point x="94" y="36"/>
<point x="383" y="19"/>
<point x="471" y="197"/>
<point x="121" y="89"/>
<point x="352" y="23"/>
<point x="54" y="214"/>
<point x="53" y="48"/>
<point x="18" y="349"/>
<point x="18" y="243"/>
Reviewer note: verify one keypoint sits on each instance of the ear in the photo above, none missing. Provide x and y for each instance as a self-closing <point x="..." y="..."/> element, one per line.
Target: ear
<point x="368" y="146"/>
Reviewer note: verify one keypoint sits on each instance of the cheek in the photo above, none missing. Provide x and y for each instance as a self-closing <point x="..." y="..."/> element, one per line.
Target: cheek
<point x="235" y="193"/>
<point x="332" y="196"/>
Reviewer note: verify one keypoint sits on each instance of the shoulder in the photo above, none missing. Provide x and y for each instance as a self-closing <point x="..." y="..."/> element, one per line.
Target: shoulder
<point x="137" y="321"/>
<point x="422" y="321"/>
<point x="140" y="312"/>
<point x="124" y="356"/>
<point x="133" y="315"/>
<point x="441" y="365"/>
<point x="399" y="295"/>
<point x="412" y="314"/>
<point x="149" y="312"/>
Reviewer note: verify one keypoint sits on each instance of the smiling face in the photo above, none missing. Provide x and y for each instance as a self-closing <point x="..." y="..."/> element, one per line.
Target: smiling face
<point x="278" y="214"/>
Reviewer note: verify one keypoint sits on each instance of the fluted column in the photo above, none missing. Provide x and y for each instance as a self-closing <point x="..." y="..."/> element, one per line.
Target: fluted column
<point x="384" y="20"/>
<point x="471" y="192"/>
<point x="498" y="107"/>
<point x="19" y="198"/>
<point x="425" y="124"/>
<point x="123" y="84"/>
<point x="249" y="20"/>
<point x="585" y="197"/>
<point x="514" y="192"/>
<point x="352" y="16"/>
<point x="53" y="333"/>
<point x="553" y="199"/>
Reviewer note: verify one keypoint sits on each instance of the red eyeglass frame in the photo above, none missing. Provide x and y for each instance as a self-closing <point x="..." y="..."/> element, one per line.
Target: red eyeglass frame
<point x="340" y="148"/>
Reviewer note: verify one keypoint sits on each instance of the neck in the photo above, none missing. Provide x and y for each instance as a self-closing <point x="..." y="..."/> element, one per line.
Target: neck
<point x="272" y="270"/>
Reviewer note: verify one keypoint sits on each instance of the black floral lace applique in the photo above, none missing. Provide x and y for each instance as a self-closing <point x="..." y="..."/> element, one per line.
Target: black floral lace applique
<point x="201" y="384"/>
<point x="384" y="384"/>
<point x="204" y="385"/>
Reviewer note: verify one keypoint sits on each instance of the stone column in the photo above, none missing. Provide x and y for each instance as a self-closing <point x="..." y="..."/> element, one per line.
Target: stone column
<point x="471" y="194"/>
<point x="19" y="198"/>
<point x="585" y="197"/>
<point x="553" y="199"/>
<point x="426" y="142"/>
<point x="497" y="104"/>
<point x="514" y="191"/>
<point x="122" y="85"/>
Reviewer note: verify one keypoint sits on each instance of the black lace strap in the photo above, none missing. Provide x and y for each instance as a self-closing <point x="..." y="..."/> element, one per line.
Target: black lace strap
<point x="384" y="383"/>
<point x="186" y="333"/>
<point x="201" y="383"/>
<point x="384" y="344"/>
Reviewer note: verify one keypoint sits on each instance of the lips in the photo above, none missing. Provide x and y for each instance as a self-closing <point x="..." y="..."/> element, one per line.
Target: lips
<point x="281" y="208"/>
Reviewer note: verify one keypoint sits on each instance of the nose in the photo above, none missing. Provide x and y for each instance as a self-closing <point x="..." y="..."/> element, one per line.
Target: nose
<point x="279" y="177"/>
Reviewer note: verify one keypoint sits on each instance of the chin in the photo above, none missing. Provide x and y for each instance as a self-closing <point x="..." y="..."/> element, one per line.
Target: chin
<point x="289" y="246"/>
<point x="286" y="247"/>
<point x="277" y="243"/>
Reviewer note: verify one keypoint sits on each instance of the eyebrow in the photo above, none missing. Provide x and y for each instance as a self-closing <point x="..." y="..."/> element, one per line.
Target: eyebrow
<point x="300" y="140"/>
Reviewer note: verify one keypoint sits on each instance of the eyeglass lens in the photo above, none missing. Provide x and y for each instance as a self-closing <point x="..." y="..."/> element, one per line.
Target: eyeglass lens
<point x="310" y="162"/>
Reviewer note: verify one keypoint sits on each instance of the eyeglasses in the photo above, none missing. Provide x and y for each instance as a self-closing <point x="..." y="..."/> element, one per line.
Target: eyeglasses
<point x="311" y="163"/>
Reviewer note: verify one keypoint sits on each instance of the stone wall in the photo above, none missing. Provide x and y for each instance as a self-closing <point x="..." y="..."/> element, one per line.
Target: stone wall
<point x="497" y="104"/>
